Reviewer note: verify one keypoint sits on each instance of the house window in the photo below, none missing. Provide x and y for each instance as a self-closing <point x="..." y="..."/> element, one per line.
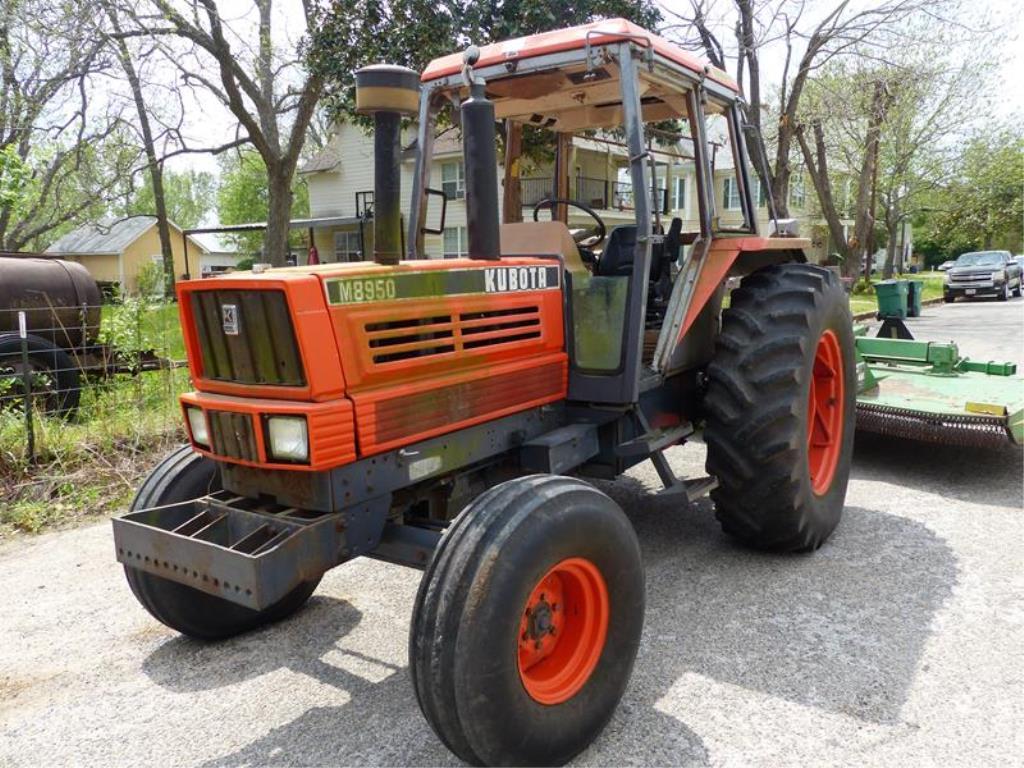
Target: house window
<point x="453" y="180"/>
<point x="731" y="194"/>
<point x="347" y="246"/>
<point x="797" y="193"/>
<point x="455" y="242"/>
<point x="679" y="193"/>
<point x="762" y="193"/>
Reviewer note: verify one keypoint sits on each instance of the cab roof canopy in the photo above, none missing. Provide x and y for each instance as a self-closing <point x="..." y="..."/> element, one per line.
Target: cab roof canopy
<point x="566" y="80"/>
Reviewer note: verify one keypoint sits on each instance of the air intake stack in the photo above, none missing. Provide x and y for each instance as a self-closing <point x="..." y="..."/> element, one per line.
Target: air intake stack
<point x="387" y="92"/>
<point x="481" y="161"/>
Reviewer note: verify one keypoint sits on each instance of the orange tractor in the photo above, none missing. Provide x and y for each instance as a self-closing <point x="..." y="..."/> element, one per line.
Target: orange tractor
<point x="445" y="414"/>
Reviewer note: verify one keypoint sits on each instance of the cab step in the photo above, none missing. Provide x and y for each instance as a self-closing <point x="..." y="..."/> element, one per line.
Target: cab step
<point x="653" y="441"/>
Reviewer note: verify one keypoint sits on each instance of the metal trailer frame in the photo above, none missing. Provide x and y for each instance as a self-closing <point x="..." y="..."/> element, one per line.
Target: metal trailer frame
<point x="253" y="552"/>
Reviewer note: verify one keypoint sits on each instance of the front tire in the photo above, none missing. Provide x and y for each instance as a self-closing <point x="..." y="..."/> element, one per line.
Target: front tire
<point x="527" y="622"/>
<point x="182" y="476"/>
<point x="780" y="408"/>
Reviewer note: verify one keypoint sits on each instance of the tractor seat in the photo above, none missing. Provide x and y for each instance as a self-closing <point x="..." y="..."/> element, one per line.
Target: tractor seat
<point x="617" y="258"/>
<point x="542" y="238"/>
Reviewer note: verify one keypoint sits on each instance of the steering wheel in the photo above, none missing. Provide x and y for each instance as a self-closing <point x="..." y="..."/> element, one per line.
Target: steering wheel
<point x="589" y="241"/>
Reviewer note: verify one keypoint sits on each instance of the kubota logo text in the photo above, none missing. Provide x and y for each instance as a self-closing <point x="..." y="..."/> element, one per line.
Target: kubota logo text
<point x="515" y="279"/>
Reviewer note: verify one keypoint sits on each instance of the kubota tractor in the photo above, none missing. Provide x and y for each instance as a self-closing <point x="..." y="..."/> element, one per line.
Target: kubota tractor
<point x="445" y="414"/>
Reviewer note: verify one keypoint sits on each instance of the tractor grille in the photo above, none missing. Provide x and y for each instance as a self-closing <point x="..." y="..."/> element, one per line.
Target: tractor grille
<point x="231" y="435"/>
<point x="246" y="337"/>
<point x="428" y="336"/>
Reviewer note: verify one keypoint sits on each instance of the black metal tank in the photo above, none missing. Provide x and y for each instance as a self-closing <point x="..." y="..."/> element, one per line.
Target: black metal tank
<point x="60" y="299"/>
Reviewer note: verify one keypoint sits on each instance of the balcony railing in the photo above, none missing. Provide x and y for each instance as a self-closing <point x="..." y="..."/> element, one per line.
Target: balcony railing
<point x="600" y="194"/>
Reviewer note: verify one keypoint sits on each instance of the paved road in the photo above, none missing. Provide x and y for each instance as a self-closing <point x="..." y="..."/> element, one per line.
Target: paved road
<point x="898" y="643"/>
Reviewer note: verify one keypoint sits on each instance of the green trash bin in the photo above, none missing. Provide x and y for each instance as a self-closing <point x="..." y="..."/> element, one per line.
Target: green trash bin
<point x="914" y="290"/>
<point x="892" y="298"/>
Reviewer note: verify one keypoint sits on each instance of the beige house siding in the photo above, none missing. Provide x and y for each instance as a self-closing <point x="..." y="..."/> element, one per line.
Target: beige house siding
<point x="104" y="267"/>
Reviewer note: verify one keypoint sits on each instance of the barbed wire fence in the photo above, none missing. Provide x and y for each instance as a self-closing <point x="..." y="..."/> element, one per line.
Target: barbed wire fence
<point x="88" y="379"/>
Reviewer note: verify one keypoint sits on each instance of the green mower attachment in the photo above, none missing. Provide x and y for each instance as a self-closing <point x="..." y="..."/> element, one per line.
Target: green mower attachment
<point x="926" y="391"/>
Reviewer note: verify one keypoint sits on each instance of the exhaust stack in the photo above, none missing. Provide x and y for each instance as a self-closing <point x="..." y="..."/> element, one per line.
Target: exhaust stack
<point x="481" y="161"/>
<point x="388" y="92"/>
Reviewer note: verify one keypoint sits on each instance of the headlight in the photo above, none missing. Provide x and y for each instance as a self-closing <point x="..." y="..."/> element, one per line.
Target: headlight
<point x="197" y="426"/>
<point x="1000" y="276"/>
<point x="288" y="438"/>
<point x="945" y="278"/>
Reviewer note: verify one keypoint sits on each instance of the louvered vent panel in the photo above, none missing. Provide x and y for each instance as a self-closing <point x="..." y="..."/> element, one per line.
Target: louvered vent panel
<point x="418" y="338"/>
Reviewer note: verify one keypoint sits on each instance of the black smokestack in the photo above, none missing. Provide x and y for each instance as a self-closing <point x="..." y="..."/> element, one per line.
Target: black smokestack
<point x="481" y="161"/>
<point x="387" y="92"/>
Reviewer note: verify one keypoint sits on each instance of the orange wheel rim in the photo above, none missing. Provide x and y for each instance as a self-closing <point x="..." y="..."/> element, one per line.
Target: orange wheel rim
<point x="562" y="631"/>
<point x="825" y="413"/>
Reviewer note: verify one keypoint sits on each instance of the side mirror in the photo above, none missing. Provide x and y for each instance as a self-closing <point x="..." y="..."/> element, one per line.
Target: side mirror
<point x="444" y="211"/>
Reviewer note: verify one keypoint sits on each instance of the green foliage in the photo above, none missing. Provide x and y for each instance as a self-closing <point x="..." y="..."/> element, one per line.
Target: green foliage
<point x="353" y="33"/>
<point x="14" y="176"/>
<point x="151" y="279"/>
<point x="983" y="206"/>
<point x="188" y="196"/>
<point x="863" y="286"/>
<point x="242" y="198"/>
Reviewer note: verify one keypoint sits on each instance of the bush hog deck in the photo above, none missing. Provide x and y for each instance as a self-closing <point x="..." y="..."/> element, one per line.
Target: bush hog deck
<point x="428" y="412"/>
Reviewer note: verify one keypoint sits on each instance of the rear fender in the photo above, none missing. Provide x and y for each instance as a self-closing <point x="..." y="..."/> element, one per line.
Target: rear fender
<point x="738" y="256"/>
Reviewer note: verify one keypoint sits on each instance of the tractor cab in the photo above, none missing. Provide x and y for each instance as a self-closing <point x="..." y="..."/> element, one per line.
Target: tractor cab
<point x="631" y="292"/>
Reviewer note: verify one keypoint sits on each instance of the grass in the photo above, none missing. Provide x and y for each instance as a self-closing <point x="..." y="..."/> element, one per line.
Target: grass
<point x="91" y="464"/>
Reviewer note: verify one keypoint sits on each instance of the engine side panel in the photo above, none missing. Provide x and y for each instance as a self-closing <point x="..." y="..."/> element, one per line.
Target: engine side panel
<point x="430" y="347"/>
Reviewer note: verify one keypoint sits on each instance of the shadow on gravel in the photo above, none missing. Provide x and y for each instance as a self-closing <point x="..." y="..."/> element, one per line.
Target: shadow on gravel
<point x="991" y="477"/>
<point x="184" y="665"/>
<point x="841" y="629"/>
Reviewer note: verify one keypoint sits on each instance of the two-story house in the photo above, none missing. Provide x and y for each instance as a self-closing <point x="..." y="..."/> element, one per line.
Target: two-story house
<point x="340" y="180"/>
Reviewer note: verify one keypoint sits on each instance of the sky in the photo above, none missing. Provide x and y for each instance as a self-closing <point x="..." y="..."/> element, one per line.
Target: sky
<point x="209" y="123"/>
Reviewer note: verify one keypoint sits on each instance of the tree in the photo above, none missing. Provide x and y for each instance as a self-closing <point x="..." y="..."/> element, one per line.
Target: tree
<point x="243" y="197"/>
<point x="353" y="33"/>
<point x="263" y="86"/>
<point x="809" y="42"/>
<point x="71" y="153"/>
<point x="188" y="195"/>
<point x="154" y="167"/>
<point x="917" y="155"/>
<point x="846" y="104"/>
<point x="982" y="205"/>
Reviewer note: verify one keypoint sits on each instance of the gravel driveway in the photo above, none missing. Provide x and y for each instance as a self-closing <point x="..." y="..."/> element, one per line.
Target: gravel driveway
<point x="899" y="642"/>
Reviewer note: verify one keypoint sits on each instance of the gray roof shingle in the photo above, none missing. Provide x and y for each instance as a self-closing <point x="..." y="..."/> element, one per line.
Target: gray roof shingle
<point x="105" y="236"/>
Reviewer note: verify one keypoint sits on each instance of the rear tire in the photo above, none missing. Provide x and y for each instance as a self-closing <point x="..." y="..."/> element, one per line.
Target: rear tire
<point x="182" y="476"/>
<point x="780" y="408"/>
<point x="494" y="683"/>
